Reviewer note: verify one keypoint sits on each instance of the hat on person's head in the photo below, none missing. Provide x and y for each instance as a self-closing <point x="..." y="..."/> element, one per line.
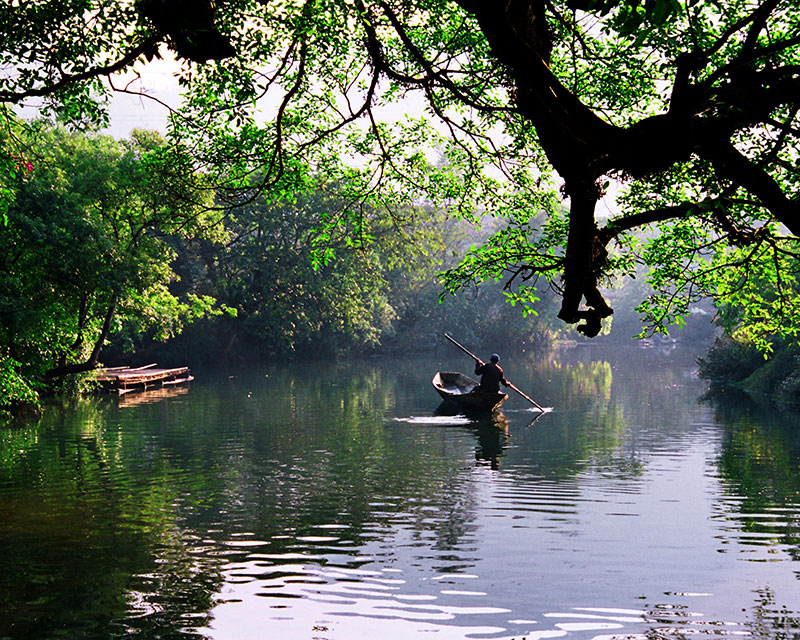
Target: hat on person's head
<point x="494" y="357"/>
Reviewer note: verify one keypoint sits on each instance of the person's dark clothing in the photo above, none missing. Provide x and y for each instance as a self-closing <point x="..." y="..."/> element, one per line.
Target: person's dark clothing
<point x="491" y="376"/>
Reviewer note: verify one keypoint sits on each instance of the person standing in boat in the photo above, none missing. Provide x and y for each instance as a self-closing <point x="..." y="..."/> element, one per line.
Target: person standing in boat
<point x="491" y="374"/>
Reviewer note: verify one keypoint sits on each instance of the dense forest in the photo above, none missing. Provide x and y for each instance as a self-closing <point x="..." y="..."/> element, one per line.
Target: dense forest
<point x="105" y="258"/>
<point x="290" y="209"/>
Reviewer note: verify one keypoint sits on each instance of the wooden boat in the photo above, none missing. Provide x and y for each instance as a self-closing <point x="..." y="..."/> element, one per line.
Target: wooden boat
<point x="462" y="392"/>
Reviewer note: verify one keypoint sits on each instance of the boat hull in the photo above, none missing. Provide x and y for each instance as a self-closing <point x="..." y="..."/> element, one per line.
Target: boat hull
<point x="462" y="392"/>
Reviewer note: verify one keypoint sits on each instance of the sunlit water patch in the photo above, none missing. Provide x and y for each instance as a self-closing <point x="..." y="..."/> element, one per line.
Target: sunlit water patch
<point x="439" y="421"/>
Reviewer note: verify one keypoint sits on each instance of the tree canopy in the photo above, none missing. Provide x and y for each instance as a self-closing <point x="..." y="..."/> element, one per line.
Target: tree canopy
<point x="536" y="108"/>
<point x="103" y="255"/>
<point x="87" y="247"/>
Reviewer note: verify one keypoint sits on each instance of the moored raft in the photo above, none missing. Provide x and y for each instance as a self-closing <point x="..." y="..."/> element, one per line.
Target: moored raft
<point x="462" y="392"/>
<point x="124" y="379"/>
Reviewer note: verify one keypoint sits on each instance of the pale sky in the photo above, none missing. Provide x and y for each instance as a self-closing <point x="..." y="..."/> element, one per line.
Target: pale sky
<point x="126" y="112"/>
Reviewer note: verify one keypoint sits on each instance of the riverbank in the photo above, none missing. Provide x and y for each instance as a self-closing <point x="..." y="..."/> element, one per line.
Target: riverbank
<point x="729" y="363"/>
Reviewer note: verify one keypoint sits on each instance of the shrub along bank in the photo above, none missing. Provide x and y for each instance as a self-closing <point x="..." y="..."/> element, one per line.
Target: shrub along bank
<point x="775" y="376"/>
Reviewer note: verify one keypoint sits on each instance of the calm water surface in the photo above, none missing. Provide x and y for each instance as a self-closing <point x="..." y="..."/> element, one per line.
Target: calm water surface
<point x="338" y="501"/>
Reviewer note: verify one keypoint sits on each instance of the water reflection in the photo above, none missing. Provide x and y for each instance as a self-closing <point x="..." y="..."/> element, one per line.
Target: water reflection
<point x="758" y="468"/>
<point x="490" y="430"/>
<point x="152" y="395"/>
<point x="80" y="533"/>
<point x="337" y="501"/>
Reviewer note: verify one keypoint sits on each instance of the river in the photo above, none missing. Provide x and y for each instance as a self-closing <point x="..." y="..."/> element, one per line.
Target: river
<point x="338" y="501"/>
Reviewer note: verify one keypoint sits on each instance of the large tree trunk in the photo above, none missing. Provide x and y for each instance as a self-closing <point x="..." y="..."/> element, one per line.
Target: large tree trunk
<point x="583" y="263"/>
<point x="574" y="138"/>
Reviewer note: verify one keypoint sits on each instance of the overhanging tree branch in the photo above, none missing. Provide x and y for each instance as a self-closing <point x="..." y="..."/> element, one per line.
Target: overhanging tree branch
<point x="146" y="47"/>
<point x="619" y="225"/>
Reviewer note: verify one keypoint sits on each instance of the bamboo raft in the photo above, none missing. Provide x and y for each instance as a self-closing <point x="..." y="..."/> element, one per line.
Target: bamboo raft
<point x="125" y="379"/>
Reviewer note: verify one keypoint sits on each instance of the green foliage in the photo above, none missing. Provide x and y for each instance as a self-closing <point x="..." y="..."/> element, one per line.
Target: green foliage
<point x="55" y="49"/>
<point x="773" y="372"/>
<point x="381" y="294"/>
<point x="85" y="249"/>
<point x="105" y="229"/>
<point x="619" y="58"/>
<point x="742" y="364"/>
<point x="480" y="313"/>
<point x="284" y="302"/>
<point x="762" y="301"/>
<point x="690" y="108"/>
<point x="15" y="389"/>
<point x="729" y="361"/>
<point x="753" y="279"/>
<point x="13" y="164"/>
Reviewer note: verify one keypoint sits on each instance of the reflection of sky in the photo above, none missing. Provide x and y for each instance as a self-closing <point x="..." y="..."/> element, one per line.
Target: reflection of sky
<point x="590" y="556"/>
<point x="607" y="518"/>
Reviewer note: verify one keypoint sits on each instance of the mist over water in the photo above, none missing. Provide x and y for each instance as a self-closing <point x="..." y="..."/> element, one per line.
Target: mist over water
<point x="341" y="501"/>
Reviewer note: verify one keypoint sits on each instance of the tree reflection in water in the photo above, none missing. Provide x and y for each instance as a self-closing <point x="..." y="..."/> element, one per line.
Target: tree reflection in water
<point x="760" y="466"/>
<point x="295" y="487"/>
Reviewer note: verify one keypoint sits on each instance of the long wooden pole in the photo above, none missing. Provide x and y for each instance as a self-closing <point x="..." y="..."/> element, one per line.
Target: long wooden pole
<point x="463" y="348"/>
<point x="527" y="397"/>
<point x="477" y="359"/>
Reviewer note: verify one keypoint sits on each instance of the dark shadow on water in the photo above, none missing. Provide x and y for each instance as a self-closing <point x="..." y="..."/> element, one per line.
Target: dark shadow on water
<point x="729" y="398"/>
<point x="490" y="429"/>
